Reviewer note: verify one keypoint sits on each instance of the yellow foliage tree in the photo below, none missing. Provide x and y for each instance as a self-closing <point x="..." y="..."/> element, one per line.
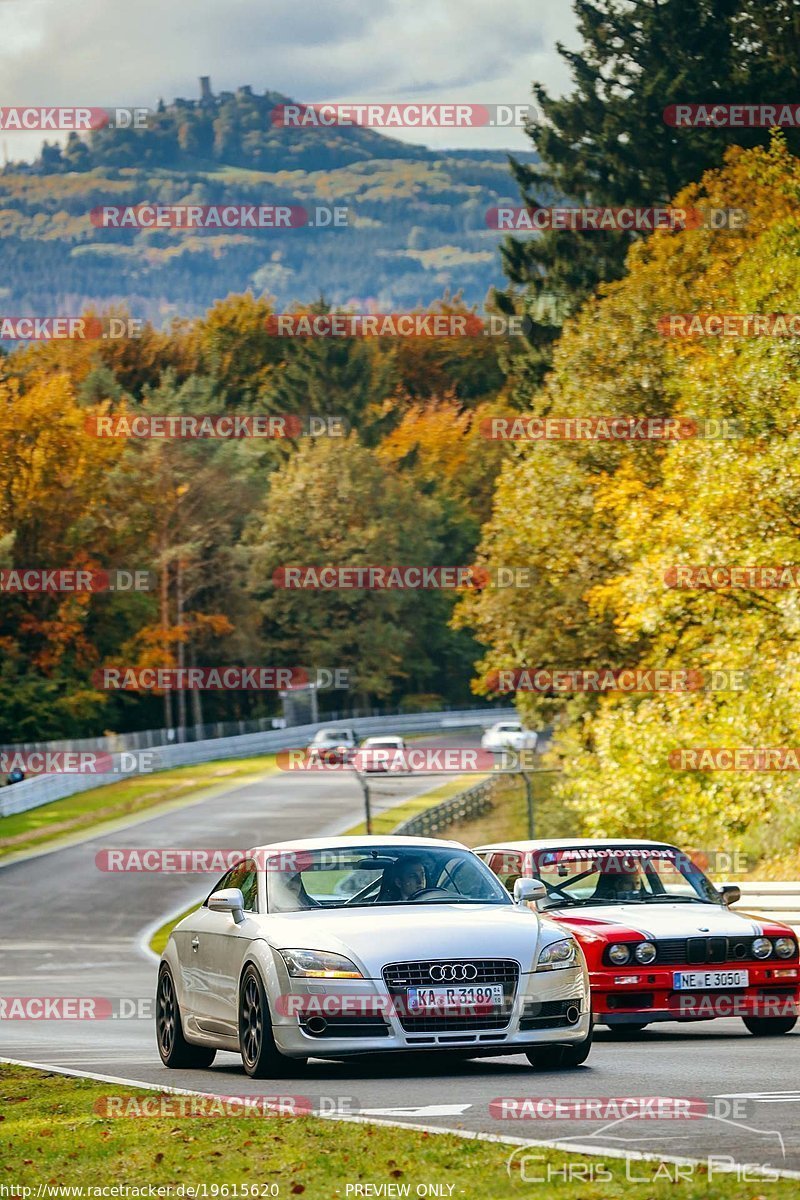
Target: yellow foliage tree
<point x="606" y="522"/>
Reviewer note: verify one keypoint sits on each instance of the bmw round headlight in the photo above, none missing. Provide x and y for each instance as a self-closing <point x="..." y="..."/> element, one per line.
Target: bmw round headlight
<point x="558" y="954"/>
<point x="785" y="947"/>
<point x="645" y="952"/>
<point x="762" y="947"/>
<point x="619" y="954"/>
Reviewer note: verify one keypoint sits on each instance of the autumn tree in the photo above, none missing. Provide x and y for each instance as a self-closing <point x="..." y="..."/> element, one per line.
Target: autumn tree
<point x="188" y="501"/>
<point x="606" y="142"/>
<point x="334" y="504"/>
<point x="608" y="523"/>
<point x="53" y="514"/>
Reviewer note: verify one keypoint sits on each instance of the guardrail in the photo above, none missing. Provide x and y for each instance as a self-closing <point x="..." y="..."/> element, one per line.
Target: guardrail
<point x="474" y="802"/>
<point x="781" y="901"/>
<point x="149" y="739"/>
<point x="44" y="789"/>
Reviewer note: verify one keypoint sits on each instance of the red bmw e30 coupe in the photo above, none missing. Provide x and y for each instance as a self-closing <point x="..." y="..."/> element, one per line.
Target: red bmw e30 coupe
<point x="661" y="941"/>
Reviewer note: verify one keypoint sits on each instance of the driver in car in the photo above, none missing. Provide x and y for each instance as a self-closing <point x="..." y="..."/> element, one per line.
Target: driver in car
<point x="403" y="880"/>
<point x="619" y="885"/>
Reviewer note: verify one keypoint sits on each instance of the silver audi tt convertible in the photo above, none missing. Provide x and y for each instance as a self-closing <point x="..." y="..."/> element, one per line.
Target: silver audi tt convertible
<point x="358" y="945"/>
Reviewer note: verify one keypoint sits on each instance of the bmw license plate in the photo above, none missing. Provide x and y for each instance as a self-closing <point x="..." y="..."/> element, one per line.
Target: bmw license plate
<point x="422" y="1000"/>
<point x="700" y="981"/>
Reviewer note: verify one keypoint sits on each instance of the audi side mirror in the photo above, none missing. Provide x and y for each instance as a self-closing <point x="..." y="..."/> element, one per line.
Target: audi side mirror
<point x="229" y="900"/>
<point x="528" y="890"/>
<point x="730" y="892"/>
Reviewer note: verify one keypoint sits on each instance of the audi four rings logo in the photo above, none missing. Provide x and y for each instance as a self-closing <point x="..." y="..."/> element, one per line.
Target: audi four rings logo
<point x="452" y="972"/>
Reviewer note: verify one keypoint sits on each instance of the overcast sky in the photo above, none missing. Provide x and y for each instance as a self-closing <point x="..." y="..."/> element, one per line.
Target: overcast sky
<point x="131" y="52"/>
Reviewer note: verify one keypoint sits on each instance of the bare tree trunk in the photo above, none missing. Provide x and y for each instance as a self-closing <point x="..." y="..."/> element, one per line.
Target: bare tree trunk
<point x="181" y="653"/>
<point x="165" y="627"/>
<point x="197" y="702"/>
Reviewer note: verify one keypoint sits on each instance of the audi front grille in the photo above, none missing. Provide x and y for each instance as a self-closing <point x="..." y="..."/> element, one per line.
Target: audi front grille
<point x="398" y="977"/>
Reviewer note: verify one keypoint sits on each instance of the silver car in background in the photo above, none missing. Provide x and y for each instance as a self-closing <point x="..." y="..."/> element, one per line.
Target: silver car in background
<point x="335" y="745"/>
<point x="429" y="953"/>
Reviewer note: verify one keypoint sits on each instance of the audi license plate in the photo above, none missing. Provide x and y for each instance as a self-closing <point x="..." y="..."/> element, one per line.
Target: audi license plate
<point x="422" y="1000"/>
<point x="700" y="981"/>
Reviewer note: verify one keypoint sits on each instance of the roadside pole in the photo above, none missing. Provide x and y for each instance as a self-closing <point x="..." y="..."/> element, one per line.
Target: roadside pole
<point x="529" y="801"/>
<point x="367" y="805"/>
<point x="526" y="775"/>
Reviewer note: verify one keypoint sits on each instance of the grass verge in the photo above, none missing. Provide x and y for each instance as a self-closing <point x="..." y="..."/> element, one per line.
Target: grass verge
<point x="387" y="820"/>
<point x="508" y="819"/>
<point x="53" y="1136"/>
<point x="73" y="815"/>
<point x="161" y="936"/>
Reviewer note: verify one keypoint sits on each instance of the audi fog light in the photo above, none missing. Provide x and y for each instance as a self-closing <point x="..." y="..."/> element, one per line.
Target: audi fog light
<point x="645" y="952"/>
<point x="762" y="947"/>
<point x="618" y="954"/>
<point x="317" y="964"/>
<point x="558" y="954"/>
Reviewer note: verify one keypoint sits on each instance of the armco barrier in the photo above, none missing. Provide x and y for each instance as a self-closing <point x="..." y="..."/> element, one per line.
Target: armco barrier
<point x="43" y="789"/>
<point x="474" y="802"/>
<point x="781" y="901"/>
<point x="149" y="739"/>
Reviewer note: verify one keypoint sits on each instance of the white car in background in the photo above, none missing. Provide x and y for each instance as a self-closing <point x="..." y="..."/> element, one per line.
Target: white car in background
<point x="509" y="735"/>
<point x="382" y="754"/>
<point x="430" y="953"/>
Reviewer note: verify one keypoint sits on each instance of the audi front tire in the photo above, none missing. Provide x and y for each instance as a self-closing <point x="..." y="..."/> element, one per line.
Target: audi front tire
<point x="555" y="1058"/>
<point x="261" y="1057"/>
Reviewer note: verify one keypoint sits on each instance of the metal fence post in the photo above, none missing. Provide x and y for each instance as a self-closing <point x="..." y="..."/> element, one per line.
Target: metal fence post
<point x="362" y="779"/>
<point x="529" y="801"/>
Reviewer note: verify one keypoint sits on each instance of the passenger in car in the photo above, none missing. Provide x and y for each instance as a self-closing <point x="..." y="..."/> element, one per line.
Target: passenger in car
<point x="289" y="894"/>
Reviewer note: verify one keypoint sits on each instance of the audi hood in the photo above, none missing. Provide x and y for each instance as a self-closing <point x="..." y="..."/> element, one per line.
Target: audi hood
<point x="412" y="932"/>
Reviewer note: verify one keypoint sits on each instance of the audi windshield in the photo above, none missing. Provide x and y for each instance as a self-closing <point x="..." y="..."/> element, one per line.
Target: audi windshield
<point x="621" y="875"/>
<point x="380" y="876"/>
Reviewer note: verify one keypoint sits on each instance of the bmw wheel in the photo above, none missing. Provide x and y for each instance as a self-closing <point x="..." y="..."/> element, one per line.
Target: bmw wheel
<point x="769" y="1026"/>
<point x="175" y="1051"/>
<point x="261" y="1057"/>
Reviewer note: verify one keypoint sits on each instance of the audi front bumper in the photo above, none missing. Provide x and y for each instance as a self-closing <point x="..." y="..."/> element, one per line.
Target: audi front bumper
<point x="342" y="1018"/>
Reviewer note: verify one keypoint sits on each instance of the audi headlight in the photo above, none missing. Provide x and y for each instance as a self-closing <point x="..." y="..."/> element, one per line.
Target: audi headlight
<point x="645" y="952"/>
<point x="558" y="955"/>
<point x="319" y="964"/>
<point x="785" y="947"/>
<point x="762" y="947"/>
<point x="619" y="954"/>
